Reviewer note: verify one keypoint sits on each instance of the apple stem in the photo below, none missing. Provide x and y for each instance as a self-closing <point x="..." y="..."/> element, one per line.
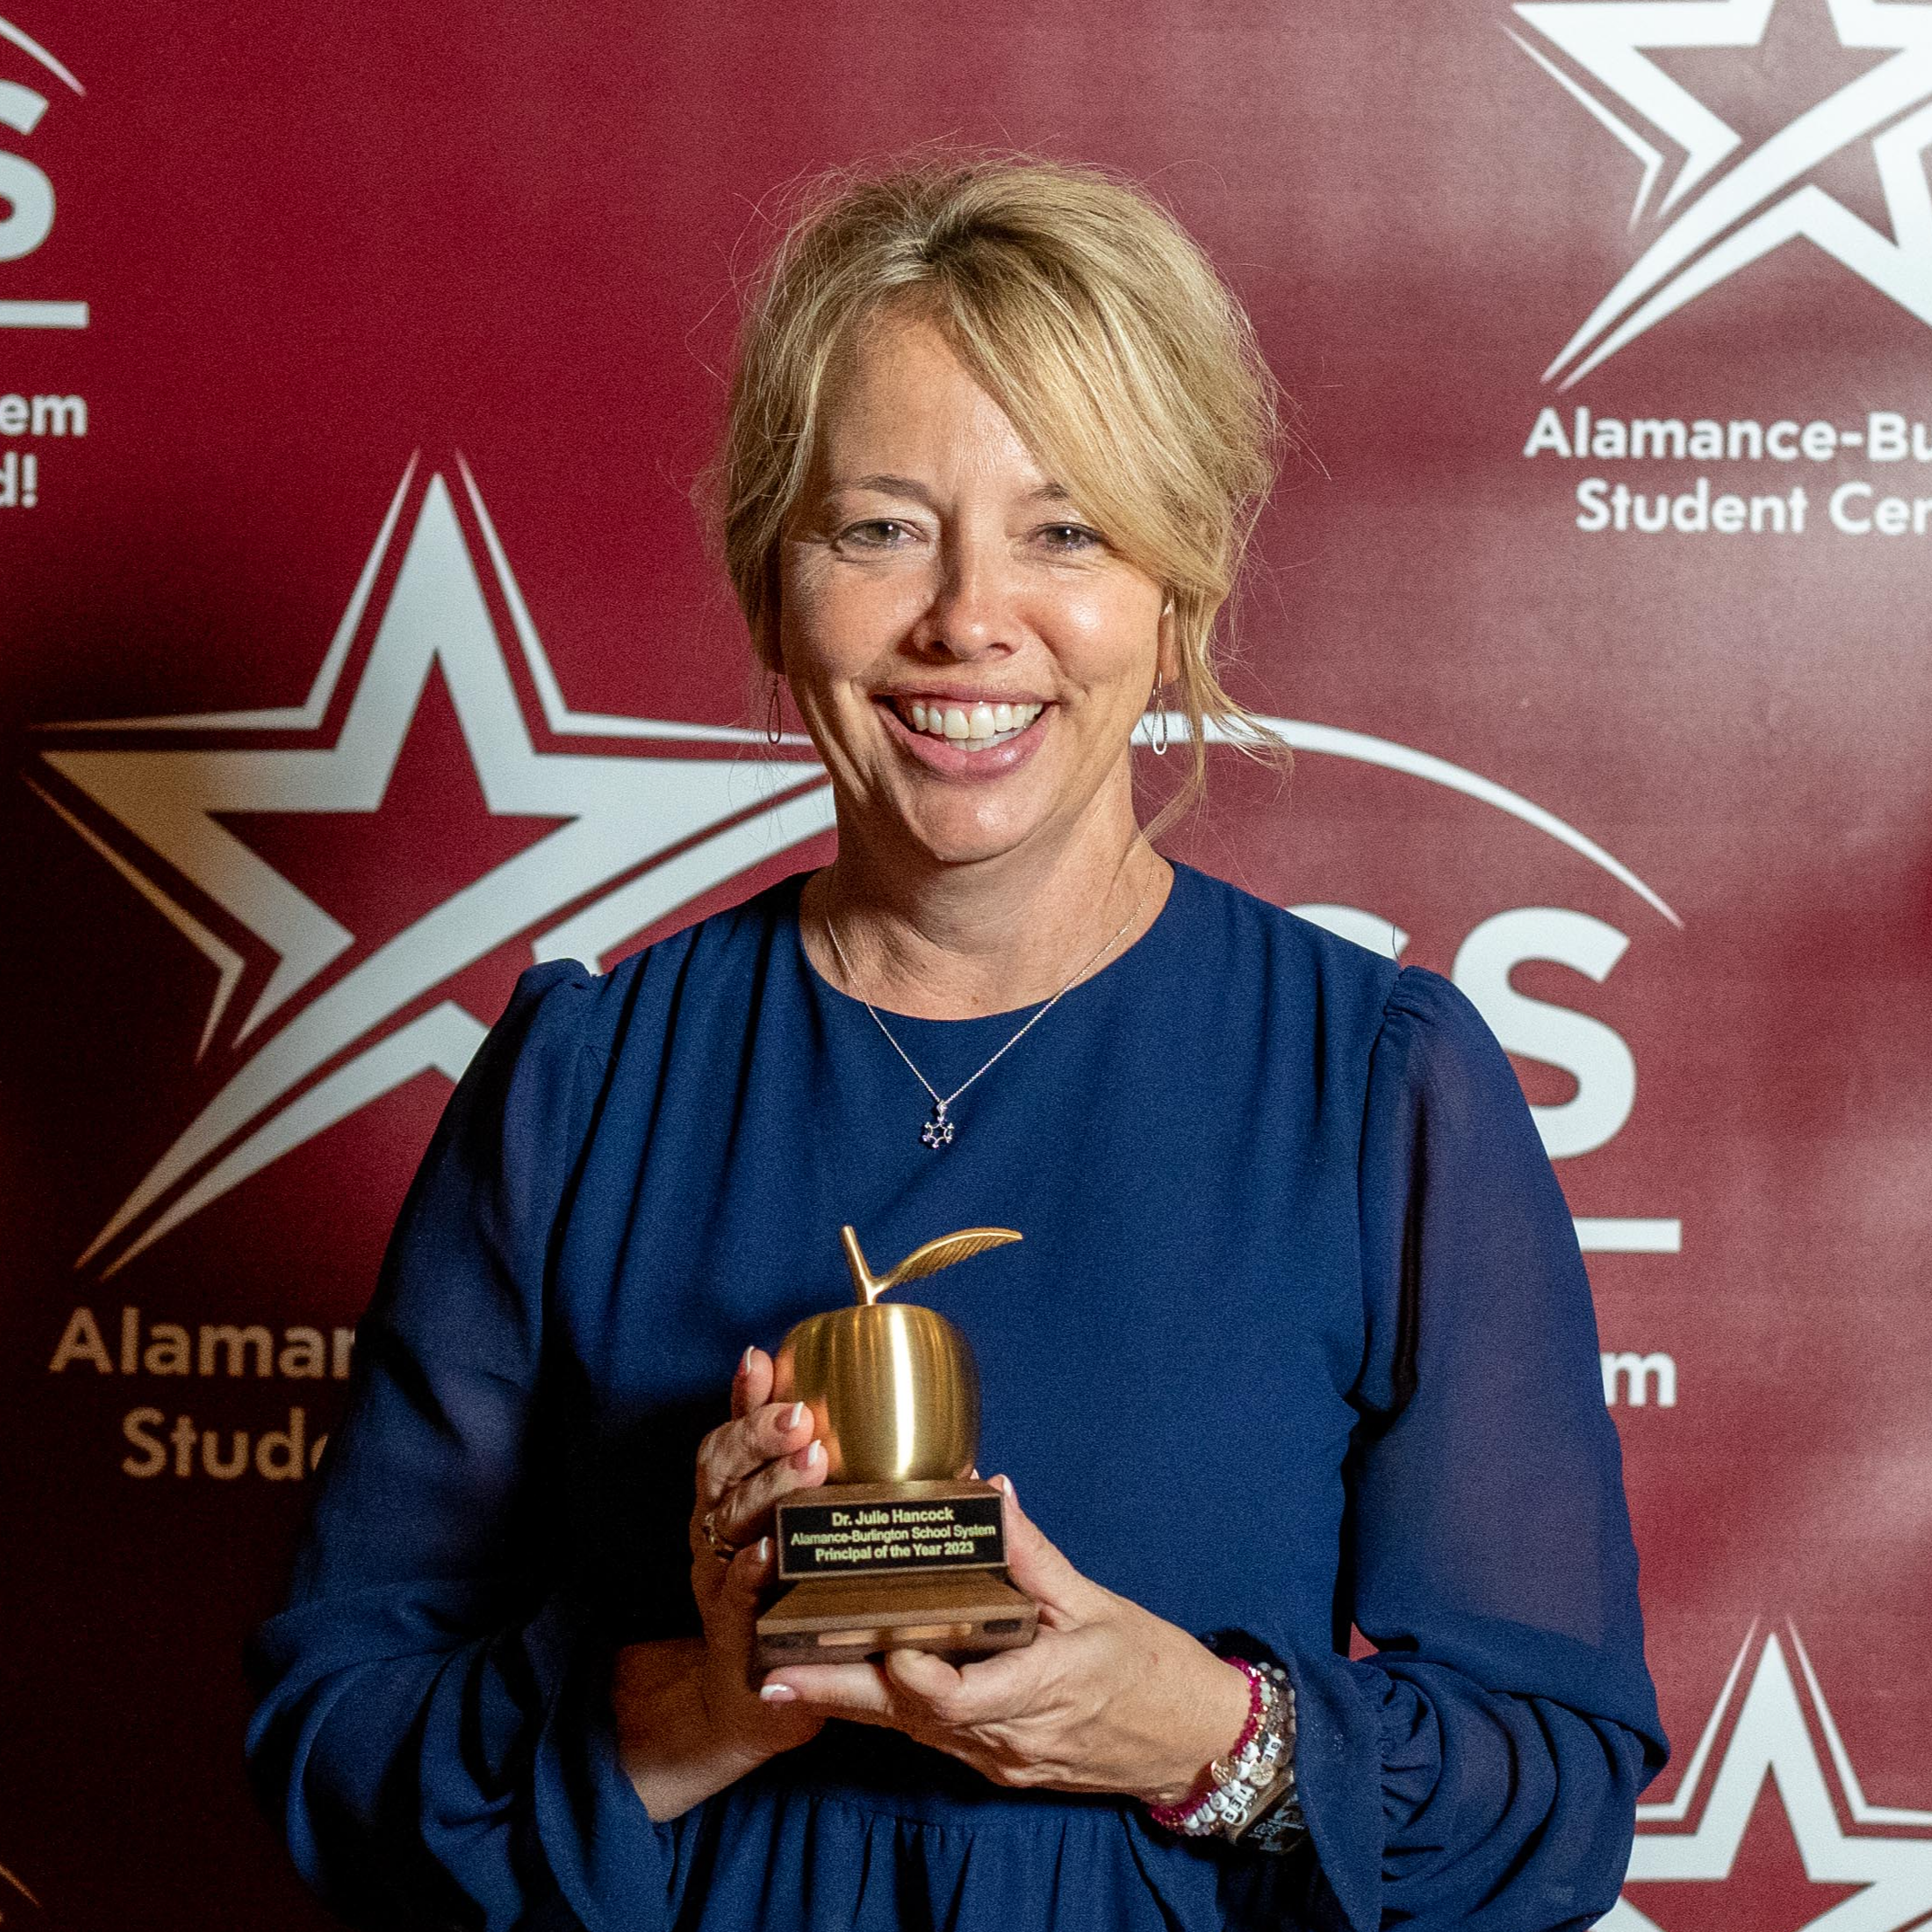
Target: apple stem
<point x="862" y="1275"/>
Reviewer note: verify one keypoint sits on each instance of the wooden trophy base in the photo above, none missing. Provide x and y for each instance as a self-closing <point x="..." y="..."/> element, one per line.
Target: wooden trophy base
<point x="893" y="1566"/>
<point x="960" y="1613"/>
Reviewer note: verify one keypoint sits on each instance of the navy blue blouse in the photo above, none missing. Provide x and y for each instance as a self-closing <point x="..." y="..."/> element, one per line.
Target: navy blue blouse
<point x="1298" y="1336"/>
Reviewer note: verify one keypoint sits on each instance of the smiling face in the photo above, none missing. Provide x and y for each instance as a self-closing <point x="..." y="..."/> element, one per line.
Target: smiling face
<point x="967" y="651"/>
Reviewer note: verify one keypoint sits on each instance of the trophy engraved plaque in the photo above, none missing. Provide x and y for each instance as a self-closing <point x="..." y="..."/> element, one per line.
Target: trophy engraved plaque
<point x="903" y="1548"/>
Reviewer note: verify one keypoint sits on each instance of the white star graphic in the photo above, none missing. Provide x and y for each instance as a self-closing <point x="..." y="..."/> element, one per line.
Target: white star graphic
<point x="1761" y="201"/>
<point x="645" y="835"/>
<point x="1773" y="1741"/>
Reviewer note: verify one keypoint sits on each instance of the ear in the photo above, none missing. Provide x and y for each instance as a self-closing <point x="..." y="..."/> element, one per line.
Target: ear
<point x="769" y="639"/>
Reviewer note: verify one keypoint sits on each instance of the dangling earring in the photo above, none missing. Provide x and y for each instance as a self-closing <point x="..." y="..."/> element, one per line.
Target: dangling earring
<point x="1157" y="704"/>
<point x="773" y="714"/>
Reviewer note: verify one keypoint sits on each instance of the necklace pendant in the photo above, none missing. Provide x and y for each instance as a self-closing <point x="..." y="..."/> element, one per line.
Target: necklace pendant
<point x="937" y="1132"/>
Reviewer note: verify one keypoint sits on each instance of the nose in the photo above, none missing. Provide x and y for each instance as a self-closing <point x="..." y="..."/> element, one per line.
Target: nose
<point x="973" y="609"/>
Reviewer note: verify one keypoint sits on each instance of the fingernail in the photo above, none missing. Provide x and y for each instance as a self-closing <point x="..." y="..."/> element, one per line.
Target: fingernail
<point x="744" y="1363"/>
<point x="808" y="1457"/>
<point x="777" y="1694"/>
<point x="794" y="1415"/>
<point x="1006" y="1483"/>
<point x="763" y="1549"/>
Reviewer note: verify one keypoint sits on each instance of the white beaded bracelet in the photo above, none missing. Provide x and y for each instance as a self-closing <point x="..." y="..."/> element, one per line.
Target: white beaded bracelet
<point x="1251" y="1793"/>
<point x="1273" y="1823"/>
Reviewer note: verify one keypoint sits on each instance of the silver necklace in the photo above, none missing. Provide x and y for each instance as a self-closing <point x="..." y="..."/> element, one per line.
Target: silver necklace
<point x="939" y="1129"/>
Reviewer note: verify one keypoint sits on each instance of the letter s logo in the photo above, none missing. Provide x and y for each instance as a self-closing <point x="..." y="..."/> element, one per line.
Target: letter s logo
<point x="29" y="195"/>
<point x="1601" y="1064"/>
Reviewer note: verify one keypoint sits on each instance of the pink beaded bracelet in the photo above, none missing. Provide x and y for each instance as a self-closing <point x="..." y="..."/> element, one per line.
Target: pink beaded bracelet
<point x="1175" y="1817"/>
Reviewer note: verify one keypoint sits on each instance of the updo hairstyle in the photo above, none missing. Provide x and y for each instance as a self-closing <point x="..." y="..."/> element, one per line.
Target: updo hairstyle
<point x="1092" y="320"/>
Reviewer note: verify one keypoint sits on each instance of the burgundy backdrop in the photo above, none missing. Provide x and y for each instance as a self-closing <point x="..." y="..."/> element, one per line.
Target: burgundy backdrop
<point x="355" y="366"/>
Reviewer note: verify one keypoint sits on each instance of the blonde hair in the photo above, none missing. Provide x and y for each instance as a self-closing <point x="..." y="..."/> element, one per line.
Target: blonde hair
<point x="1094" y="321"/>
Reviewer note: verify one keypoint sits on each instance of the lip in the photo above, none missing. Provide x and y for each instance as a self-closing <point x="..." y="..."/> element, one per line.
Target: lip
<point x="957" y="695"/>
<point x="944" y="755"/>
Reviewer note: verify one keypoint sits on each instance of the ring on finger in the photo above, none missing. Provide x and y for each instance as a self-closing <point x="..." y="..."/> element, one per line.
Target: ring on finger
<point x="716" y="1544"/>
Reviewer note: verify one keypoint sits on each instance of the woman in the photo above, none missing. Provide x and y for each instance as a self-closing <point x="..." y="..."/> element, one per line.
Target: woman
<point x="1298" y="1336"/>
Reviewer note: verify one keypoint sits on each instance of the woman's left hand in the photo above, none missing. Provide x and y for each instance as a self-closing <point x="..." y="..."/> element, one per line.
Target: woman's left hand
<point x="1108" y="1696"/>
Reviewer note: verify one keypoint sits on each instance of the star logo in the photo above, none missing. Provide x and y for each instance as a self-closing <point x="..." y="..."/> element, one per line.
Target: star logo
<point x="1885" y="1861"/>
<point x="337" y="1019"/>
<point x="1732" y="201"/>
<point x="602" y="827"/>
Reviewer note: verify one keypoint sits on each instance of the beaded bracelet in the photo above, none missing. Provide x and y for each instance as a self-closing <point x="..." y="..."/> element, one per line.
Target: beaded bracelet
<point x="1275" y="1823"/>
<point x="1178" y="1817"/>
<point x="1251" y="1791"/>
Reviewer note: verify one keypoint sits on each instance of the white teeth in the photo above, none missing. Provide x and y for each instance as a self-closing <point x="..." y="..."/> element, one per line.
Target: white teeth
<point x="977" y="725"/>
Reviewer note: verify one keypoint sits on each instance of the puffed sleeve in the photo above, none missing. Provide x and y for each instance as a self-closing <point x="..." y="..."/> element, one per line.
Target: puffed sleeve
<point x="1481" y="1770"/>
<point x="432" y="1728"/>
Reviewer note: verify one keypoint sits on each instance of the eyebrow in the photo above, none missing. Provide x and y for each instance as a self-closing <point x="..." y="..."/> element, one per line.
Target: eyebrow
<point x="886" y="485"/>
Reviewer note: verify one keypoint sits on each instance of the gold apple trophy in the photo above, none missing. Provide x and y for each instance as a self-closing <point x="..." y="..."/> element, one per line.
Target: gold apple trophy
<point x="903" y="1548"/>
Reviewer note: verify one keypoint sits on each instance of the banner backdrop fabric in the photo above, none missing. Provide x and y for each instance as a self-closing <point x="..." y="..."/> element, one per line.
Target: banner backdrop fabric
<point x="360" y="648"/>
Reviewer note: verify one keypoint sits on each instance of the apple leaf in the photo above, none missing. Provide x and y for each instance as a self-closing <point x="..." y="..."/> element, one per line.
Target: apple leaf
<point x="934" y="1256"/>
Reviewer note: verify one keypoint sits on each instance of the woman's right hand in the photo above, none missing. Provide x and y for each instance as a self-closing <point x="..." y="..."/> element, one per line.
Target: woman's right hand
<point x="765" y="1452"/>
<point x="690" y="1719"/>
